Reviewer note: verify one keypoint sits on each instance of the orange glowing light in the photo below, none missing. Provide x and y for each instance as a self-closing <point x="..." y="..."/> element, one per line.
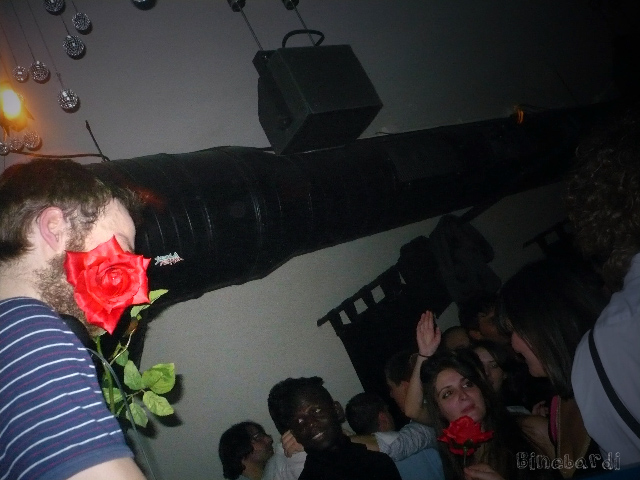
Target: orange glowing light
<point x="11" y="104"/>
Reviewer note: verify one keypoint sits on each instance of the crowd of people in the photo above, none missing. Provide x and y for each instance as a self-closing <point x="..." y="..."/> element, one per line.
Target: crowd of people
<point x="538" y="381"/>
<point x="545" y="369"/>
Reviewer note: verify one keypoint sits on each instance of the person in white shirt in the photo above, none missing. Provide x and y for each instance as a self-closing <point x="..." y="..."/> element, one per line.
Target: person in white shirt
<point x="412" y="448"/>
<point x="603" y="204"/>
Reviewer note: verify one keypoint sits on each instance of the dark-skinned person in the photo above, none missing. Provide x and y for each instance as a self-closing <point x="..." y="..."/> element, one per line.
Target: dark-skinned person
<point x="289" y="457"/>
<point x="310" y="413"/>
<point x="244" y="450"/>
<point x="548" y="306"/>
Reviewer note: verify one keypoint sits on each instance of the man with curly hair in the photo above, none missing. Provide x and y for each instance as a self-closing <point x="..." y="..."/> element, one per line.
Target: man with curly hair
<point x="603" y="202"/>
<point x="54" y="423"/>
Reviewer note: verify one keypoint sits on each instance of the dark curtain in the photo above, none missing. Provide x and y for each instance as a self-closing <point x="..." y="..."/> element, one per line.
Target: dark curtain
<point x="450" y="265"/>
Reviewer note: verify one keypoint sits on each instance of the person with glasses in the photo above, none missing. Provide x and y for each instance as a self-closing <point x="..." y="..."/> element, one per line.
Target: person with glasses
<point x="244" y="450"/>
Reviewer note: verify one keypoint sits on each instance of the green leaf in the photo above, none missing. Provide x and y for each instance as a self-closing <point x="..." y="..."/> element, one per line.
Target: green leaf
<point x="117" y="395"/>
<point x="153" y="296"/>
<point x="156" y="294"/>
<point x="132" y="377"/>
<point x="160" y="378"/>
<point x="157" y="404"/>
<point x="135" y="311"/>
<point x="123" y="358"/>
<point x="139" y="415"/>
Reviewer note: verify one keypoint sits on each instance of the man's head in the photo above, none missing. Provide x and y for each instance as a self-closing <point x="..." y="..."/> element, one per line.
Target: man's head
<point x="478" y="318"/>
<point x="368" y="413"/>
<point x="603" y="197"/>
<point x="305" y="407"/>
<point x="244" y="447"/>
<point x="397" y="372"/>
<point x="50" y="206"/>
<point x="455" y="337"/>
<point x="27" y="190"/>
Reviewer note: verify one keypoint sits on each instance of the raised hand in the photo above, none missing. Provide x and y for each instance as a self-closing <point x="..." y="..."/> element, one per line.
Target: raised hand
<point x="290" y="445"/>
<point x="428" y="334"/>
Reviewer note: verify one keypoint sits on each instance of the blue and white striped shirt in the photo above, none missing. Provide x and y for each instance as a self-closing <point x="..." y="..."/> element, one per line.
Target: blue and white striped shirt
<point x="54" y="422"/>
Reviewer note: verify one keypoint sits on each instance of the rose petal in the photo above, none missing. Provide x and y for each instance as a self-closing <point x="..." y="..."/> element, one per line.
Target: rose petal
<point x="106" y="281"/>
<point x="464" y="431"/>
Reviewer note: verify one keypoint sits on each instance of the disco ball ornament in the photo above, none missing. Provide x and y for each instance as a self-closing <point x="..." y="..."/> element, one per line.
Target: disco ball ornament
<point x="54" y="6"/>
<point x="39" y="72"/>
<point x="68" y="100"/>
<point x="15" y="144"/>
<point x="73" y="45"/>
<point x="4" y="149"/>
<point x="81" y="22"/>
<point x="21" y="74"/>
<point x="31" y="140"/>
<point x="144" y="4"/>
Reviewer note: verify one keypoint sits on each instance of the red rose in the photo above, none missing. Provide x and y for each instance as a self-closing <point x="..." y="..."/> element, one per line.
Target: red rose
<point x="464" y="435"/>
<point x="107" y="280"/>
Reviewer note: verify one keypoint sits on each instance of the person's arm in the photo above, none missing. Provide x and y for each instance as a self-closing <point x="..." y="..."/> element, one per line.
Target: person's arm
<point x="411" y="438"/>
<point x="118" y="469"/>
<point x="368" y="441"/>
<point x="428" y="337"/>
<point x="49" y="442"/>
<point x="536" y="431"/>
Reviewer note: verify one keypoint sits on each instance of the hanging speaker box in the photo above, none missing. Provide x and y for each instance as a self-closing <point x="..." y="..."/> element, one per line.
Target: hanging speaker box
<point x="313" y="97"/>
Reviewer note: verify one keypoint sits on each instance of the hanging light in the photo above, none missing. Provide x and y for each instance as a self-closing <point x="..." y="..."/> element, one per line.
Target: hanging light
<point x="14" y="116"/>
<point x="11" y="104"/>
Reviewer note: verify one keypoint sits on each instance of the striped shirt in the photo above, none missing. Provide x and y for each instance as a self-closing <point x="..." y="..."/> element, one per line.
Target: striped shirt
<point x="54" y="422"/>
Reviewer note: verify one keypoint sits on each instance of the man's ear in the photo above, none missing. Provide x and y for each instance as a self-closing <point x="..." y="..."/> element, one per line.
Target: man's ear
<point x="339" y="411"/>
<point x="475" y="334"/>
<point x="384" y="424"/>
<point x="52" y="227"/>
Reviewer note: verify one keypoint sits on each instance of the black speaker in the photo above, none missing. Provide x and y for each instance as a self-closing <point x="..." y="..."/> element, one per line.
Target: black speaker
<point x="313" y="97"/>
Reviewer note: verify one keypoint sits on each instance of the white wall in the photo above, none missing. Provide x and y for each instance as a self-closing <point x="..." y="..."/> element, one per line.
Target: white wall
<point x="234" y="344"/>
<point x="179" y="78"/>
